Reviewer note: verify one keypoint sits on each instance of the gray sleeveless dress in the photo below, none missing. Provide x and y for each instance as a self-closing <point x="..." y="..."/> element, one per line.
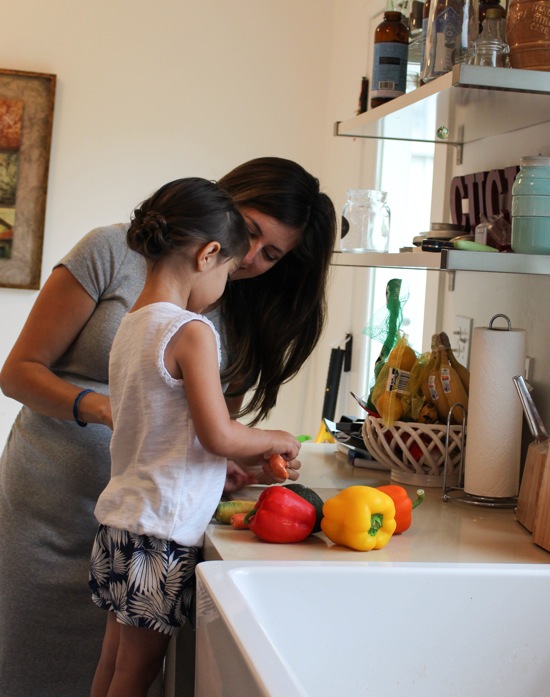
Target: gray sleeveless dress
<point x="51" y="473"/>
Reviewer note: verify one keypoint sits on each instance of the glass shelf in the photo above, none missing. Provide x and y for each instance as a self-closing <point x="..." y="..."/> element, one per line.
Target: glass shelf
<point x="450" y="260"/>
<point x="470" y="103"/>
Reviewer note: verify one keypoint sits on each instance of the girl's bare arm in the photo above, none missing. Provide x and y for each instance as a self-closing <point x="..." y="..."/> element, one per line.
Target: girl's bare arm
<point x="194" y="350"/>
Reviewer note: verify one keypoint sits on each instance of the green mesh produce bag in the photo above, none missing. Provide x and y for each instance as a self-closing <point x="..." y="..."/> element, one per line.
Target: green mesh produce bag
<point x="385" y="326"/>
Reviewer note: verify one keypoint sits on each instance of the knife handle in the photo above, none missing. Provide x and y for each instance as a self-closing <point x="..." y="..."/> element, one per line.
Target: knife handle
<point x="532" y="415"/>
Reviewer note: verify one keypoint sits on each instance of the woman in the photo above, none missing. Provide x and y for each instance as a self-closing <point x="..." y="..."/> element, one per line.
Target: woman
<point x="56" y="461"/>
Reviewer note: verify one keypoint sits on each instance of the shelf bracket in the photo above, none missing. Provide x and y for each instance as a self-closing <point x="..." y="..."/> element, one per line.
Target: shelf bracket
<point x="459" y="153"/>
<point x="451" y="280"/>
<point x="460" y="146"/>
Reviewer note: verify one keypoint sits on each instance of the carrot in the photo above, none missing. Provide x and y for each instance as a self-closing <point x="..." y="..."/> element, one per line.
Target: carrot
<point x="278" y="466"/>
<point x="239" y="522"/>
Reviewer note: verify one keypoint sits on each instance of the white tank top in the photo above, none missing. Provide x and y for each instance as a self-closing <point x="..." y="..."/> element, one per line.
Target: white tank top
<point x="163" y="482"/>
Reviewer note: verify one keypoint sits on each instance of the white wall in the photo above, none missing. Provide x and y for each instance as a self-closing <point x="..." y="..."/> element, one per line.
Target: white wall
<point x="148" y="92"/>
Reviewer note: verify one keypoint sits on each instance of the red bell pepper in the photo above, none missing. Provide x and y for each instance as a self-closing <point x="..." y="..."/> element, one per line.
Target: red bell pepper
<point x="403" y="505"/>
<point x="282" y="516"/>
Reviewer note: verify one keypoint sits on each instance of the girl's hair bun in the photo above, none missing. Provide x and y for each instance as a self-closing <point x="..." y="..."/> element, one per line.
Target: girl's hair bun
<point x="148" y="234"/>
<point x="185" y="211"/>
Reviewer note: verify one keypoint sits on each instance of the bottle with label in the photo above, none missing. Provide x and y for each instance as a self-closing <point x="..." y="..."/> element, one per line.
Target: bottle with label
<point x="391" y="48"/>
<point x="453" y="26"/>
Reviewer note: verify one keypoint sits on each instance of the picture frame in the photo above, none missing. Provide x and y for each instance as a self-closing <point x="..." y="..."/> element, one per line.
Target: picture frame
<point x="26" y="120"/>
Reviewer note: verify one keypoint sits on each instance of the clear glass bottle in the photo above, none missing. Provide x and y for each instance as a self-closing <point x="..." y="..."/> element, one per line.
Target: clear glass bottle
<point x="425" y="18"/>
<point x="453" y="26"/>
<point x="491" y="48"/>
<point x="493" y="24"/>
<point x="485" y="5"/>
<point x="391" y="48"/>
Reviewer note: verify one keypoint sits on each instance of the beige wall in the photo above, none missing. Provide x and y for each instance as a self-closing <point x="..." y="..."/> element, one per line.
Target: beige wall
<point x="148" y="92"/>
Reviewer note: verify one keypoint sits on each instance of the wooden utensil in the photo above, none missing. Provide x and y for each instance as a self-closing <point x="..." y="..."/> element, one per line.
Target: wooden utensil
<point x="535" y="461"/>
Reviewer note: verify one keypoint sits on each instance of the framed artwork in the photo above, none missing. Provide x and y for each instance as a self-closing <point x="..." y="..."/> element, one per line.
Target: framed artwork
<point x="26" y="117"/>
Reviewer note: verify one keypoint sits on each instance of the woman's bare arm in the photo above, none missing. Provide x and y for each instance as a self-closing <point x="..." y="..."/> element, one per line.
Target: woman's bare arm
<point x="61" y="310"/>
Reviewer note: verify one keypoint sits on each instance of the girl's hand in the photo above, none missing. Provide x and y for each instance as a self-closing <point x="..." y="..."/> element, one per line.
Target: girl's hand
<point x="237" y="478"/>
<point x="284" y="444"/>
<point x="253" y="471"/>
<point x="267" y="476"/>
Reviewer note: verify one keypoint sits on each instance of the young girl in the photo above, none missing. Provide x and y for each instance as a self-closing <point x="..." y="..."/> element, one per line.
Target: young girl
<point x="172" y="431"/>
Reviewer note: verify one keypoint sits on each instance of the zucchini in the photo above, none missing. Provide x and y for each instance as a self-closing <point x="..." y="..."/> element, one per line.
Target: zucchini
<point x="313" y="498"/>
<point x="226" y="509"/>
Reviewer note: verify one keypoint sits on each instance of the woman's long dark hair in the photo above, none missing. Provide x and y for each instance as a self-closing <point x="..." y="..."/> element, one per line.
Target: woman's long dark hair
<point x="274" y="321"/>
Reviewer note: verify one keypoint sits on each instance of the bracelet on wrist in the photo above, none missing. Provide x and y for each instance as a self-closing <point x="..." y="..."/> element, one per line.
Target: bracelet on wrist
<point x="75" y="407"/>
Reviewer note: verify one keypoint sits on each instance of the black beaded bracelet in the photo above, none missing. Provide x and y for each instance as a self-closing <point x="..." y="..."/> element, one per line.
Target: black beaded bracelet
<point x="75" y="407"/>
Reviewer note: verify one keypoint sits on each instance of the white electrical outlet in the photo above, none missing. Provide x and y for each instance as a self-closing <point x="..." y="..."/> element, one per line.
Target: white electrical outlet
<point x="462" y="339"/>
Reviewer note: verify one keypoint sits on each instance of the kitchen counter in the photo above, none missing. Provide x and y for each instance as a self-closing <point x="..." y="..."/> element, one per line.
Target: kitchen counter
<point x="441" y="531"/>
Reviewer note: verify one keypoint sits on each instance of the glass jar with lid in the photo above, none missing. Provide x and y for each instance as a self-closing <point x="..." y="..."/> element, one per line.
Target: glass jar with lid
<point x="365" y="222"/>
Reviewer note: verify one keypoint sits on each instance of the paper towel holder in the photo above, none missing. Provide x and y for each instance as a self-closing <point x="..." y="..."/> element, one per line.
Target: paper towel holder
<point x="459" y="495"/>
<point x="500" y="329"/>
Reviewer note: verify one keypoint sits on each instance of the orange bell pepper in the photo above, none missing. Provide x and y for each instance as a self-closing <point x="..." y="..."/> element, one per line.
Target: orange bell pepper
<point x="359" y="517"/>
<point x="403" y="505"/>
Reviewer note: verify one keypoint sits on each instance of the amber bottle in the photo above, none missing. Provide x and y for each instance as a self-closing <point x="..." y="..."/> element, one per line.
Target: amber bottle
<point x="391" y="48"/>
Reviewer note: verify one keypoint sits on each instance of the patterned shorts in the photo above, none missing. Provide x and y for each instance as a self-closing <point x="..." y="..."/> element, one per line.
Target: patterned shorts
<point x="145" y="581"/>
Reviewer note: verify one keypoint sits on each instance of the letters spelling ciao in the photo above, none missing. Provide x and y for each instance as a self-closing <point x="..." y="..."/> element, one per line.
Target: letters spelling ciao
<point x="485" y="193"/>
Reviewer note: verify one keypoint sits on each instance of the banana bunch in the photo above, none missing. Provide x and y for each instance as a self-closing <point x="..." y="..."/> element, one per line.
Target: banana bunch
<point x="390" y="395"/>
<point x="445" y="382"/>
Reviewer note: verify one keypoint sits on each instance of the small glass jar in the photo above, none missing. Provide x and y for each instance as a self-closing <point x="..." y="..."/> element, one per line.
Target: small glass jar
<point x="491" y="52"/>
<point x="365" y="222"/>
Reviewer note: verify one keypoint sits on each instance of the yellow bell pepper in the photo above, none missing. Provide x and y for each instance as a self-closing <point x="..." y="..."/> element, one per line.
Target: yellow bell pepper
<point x="359" y="517"/>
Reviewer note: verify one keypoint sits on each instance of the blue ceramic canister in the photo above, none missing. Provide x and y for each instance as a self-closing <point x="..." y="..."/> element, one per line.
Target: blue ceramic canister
<point x="531" y="207"/>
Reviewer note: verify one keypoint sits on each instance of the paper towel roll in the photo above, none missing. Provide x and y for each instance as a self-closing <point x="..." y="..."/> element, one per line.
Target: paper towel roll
<point x="493" y="442"/>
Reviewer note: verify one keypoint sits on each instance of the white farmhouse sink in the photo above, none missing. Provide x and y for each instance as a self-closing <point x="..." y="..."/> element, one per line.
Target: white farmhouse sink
<point x="355" y="629"/>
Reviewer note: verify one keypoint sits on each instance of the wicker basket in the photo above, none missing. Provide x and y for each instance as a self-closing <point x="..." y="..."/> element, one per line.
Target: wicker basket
<point x="414" y="452"/>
